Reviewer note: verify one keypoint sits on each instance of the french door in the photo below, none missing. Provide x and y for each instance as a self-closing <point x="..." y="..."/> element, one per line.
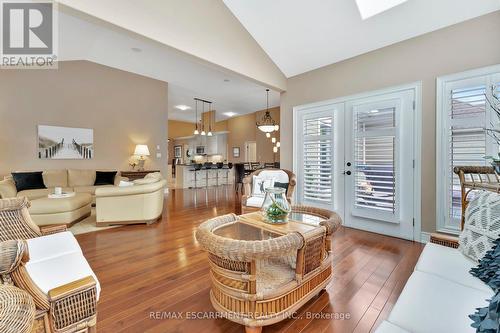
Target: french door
<point x="356" y="157"/>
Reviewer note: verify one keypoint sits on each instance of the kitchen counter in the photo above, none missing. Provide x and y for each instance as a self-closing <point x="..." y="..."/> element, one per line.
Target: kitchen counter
<point x="188" y="177"/>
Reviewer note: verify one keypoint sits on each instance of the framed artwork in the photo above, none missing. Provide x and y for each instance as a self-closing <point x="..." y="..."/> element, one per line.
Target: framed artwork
<point x="65" y="143"/>
<point x="236" y="151"/>
<point x="178" y="151"/>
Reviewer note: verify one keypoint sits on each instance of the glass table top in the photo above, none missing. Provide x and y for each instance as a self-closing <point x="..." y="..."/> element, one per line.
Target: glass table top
<point x="243" y="231"/>
<point x="305" y="218"/>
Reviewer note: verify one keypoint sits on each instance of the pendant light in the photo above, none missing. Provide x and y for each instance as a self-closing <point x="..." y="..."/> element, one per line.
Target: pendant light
<point x="209" y="119"/>
<point x="196" y="118"/>
<point x="202" y="122"/>
<point x="267" y="123"/>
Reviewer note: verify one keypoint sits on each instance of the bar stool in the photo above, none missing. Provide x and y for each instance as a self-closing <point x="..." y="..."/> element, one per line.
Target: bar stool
<point x="197" y="167"/>
<point x="219" y="166"/>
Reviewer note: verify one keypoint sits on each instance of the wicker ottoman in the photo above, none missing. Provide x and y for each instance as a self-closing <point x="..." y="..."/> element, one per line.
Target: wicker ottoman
<point x="45" y="211"/>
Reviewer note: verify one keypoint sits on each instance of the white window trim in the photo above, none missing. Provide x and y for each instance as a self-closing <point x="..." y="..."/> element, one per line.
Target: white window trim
<point x="417" y="140"/>
<point x="441" y="139"/>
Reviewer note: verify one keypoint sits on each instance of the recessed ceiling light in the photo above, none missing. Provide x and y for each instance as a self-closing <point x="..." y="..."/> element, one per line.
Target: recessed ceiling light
<point x="182" y="107"/>
<point x="230" y="114"/>
<point x="369" y="8"/>
<point x="136" y="49"/>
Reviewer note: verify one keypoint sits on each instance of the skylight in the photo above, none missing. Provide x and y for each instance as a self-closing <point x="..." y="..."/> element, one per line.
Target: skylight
<point x="369" y="8"/>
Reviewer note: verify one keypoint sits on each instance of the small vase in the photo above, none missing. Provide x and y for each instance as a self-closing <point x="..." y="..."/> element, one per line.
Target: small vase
<point x="275" y="208"/>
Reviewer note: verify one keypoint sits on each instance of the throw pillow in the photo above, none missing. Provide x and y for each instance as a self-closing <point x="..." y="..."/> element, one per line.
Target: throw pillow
<point x="487" y="319"/>
<point x="105" y="177"/>
<point x="282" y="185"/>
<point x="124" y="183"/>
<point x="488" y="269"/>
<point x="482" y="225"/>
<point x="28" y="180"/>
<point x="260" y="185"/>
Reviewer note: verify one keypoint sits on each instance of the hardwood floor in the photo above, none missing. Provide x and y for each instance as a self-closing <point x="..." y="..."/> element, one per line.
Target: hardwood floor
<point x="148" y="273"/>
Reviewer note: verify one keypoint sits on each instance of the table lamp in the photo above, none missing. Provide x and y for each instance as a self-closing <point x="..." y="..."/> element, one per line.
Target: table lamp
<point x="141" y="150"/>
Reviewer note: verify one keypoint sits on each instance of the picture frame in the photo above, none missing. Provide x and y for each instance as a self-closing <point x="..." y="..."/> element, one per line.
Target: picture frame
<point x="65" y="143"/>
<point x="178" y="151"/>
<point x="236" y="151"/>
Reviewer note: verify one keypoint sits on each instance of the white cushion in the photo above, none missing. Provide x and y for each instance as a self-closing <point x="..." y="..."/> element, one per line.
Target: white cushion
<point x="57" y="271"/>
<point x="255" y="201"/>
<point x="429" y="303"/>
<point x="387" y="327"/>
<point x="260" y="184"/>
<point x="124" y="183"/>
<point x="449" y="264"/>
<point x="482" y="225"/>
<point x="50" y="246"/>
<point x="279" y="176"/>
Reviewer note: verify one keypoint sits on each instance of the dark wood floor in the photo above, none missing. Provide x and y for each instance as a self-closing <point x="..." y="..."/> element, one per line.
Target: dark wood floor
<point x="157" y="269"/>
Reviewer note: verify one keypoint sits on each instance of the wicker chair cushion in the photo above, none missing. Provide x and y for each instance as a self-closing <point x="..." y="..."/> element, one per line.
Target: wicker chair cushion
<point x="54" y="245"/>
<point x="482" y="225"/>
<point x="57" y="271"/>
<point x="255" y="201"/>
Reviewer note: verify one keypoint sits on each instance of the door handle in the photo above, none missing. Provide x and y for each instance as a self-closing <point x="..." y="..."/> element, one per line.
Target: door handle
<point x="347" y="172"/>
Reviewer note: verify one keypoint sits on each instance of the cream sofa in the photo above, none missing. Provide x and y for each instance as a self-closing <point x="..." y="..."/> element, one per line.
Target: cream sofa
<point x="141" y="203"/>
<point x="46" y="211"/>
<point x="439" y="295"/>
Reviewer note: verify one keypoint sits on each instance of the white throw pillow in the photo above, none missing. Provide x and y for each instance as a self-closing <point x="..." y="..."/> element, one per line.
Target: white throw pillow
<point x="482" y="225"/>
<point x="260" y="185"/>
<point x="124" y="183"/>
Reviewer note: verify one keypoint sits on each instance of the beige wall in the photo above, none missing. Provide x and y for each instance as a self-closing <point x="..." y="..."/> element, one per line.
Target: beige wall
<point x="464" y="46"/>
<point x="194" y="27"/>
<point x="124" y="109"/>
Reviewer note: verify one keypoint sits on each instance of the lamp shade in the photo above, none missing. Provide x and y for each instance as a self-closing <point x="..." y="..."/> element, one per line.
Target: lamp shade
<point x="141" y="150"/>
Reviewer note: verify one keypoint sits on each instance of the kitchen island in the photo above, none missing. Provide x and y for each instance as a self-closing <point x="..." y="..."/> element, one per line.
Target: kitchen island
<point x="187" y="177"/>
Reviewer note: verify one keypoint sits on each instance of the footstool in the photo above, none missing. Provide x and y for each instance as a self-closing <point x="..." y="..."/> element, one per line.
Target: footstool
<point x="47" y="211"/>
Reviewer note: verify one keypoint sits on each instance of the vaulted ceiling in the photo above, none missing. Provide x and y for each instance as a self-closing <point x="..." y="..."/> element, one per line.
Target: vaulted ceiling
<point x="300" y="35"/>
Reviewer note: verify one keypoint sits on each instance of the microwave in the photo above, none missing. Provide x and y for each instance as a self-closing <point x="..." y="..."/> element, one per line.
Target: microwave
<point x="200" y="150"/>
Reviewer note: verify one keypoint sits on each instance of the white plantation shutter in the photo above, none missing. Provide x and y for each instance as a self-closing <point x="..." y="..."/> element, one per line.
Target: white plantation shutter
<point x="317" y="161"/>
<point x="374" y="164"/>
<point x="467" y="139"/>
<point x="463" y="115"/>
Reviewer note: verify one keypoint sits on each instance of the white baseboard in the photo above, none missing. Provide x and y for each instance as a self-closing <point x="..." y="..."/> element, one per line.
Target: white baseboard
<point x="425" y="237"/>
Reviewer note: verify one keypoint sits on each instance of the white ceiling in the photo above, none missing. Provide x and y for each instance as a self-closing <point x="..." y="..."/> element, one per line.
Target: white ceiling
<point x="82" y="37"/>
<point x="300" y="36"/>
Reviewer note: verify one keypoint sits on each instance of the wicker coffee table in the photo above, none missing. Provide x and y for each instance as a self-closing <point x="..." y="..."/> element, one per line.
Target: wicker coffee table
<point x="262" y="273"/>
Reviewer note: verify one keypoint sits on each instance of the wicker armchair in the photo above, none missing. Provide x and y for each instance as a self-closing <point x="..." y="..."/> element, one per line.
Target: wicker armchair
<point x="471" y="178"/>
<point x="71" y="307"/>
<point x="257" y="283"/>
<point x="250" y="203"/>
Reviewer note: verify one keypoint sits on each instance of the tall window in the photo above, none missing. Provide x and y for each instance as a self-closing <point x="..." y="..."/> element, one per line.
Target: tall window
<point x="463" y="115"/>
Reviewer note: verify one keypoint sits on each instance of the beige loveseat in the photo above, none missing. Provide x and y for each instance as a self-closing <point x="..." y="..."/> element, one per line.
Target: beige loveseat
<point x="140" y="203"/>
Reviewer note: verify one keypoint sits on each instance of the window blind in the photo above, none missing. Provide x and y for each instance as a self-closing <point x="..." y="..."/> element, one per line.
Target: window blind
<point x="317" y="160"/>
<point x="467" y="138"/>
<point x="374" y="147"/>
